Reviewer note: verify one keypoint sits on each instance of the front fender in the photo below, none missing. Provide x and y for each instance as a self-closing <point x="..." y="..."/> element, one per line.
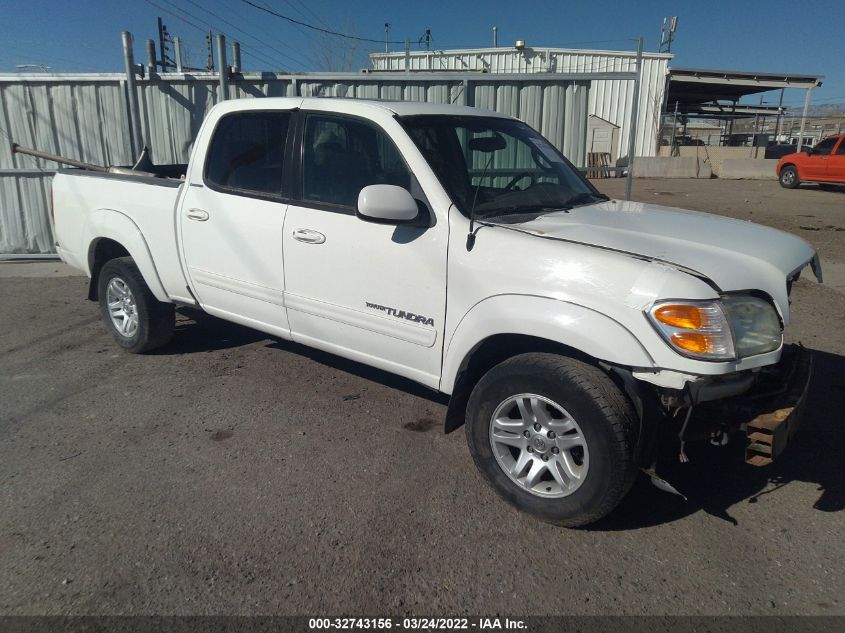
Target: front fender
<point x="575" y="326"/>
<point x="117" y="226"/>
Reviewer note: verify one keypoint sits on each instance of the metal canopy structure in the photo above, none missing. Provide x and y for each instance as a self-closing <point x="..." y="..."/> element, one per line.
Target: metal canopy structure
<point x="693" y="87"/>
<point x="713" y="94"/>
<point x="731" y="111"/>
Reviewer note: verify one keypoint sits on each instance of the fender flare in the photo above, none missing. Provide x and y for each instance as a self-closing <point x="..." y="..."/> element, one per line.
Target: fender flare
<point x="115" y="225"/>
<point x="575" y="326"/>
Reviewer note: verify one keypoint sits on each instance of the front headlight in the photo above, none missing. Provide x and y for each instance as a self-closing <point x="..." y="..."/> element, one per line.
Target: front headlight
<point x="735" y="327"/>
<point x="756" y="325"/>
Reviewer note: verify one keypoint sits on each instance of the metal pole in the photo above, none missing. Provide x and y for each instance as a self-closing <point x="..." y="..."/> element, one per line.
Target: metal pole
<point x="132" y="94"/>
<point x="151" y="58"/>
<point x="632" y="133"/>
<point x="407" y="55"/>
<point x="803" y="118"/>
<point x="177" y="52"/>
<point x="674" y="129"/>
<point x="386" y="34"/>
<point x="162" y="47"/>
<point x="495" y="37"/>
<point x="224" y="69"/>
<point x="236" y="57"/>
<point x="777" y="120"/>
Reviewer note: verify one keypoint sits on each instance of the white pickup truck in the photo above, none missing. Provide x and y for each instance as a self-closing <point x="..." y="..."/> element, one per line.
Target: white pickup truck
<point x="458" y="248"/>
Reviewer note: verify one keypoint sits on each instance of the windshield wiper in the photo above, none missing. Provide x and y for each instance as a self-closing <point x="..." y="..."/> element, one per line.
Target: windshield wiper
<point x="528" y="208"/>
<point x="585" y="198"/>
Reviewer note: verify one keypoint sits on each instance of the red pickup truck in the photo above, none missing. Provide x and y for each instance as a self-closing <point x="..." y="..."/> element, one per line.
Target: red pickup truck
<point x="824" y="163"/>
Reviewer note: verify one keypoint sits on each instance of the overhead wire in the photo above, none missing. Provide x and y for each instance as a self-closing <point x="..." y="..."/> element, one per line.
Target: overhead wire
<point x="262" y="58"/>
<point x="316" y="28"/>
<point x="299" y="61"/>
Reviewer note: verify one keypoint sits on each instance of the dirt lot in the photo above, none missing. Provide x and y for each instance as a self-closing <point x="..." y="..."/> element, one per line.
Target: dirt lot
<point x="233" y="473"/>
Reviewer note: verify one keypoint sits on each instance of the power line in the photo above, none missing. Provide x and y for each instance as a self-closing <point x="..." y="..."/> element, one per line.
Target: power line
<point x="199" y="28"/>
<point x="249" y="35"/>
<point x="315" y="28"/>
<point x="300" y="11"/>
<point x="305" y="32"/>
<point x="264" y="59"/>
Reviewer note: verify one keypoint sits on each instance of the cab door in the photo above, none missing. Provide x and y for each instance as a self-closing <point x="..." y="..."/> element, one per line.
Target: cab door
<point x="231" y="220"/>
<point x="836" y="169"/>
<point x="373" y="292"/>
<point x="816" y="164"/>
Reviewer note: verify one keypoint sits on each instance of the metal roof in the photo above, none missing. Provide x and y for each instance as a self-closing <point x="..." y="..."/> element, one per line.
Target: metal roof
<point x="690" y="88"/>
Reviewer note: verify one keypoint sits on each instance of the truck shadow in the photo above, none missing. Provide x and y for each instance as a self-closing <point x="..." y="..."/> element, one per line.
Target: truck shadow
<point x="197" y="331"/>
<point x="716" y="479"/>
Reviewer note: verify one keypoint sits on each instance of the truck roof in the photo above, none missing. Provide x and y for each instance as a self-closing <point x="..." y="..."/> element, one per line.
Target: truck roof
<point x="354" y="106"/>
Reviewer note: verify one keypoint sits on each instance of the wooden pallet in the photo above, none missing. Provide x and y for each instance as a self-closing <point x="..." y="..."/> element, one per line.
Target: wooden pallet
<point x="595" y="160"/>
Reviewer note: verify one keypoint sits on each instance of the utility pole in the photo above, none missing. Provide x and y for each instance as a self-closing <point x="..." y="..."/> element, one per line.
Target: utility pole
<point x="209" y="64"/>
<point x="386" y="35"/>
<point x="495" y="37"/>
<point x="136" y="140"/>
<point x="236" y="57"/>
<point x="428" y="39"/>
<point x="632" y="133"/>
<point x="407" y="55"/>
<point x="151" y="58"/>
<point x="162" y="44"/>
<point x="224" y="69"/>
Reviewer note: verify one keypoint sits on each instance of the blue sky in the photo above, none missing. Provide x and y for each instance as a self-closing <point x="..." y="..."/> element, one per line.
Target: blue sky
<point x="776" y="35"/>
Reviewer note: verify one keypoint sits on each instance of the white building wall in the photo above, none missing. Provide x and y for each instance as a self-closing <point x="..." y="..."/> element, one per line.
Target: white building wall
<point x="611" y="100"/>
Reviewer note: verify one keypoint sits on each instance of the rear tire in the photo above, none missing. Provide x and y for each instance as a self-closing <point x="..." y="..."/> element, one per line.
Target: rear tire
<point x="137" y="320"/>
<point x="789" y="177"/>
<point x="554" y="437"/>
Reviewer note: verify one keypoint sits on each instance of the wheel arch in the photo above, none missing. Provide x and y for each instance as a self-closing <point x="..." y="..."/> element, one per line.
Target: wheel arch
<point x="485" y="337"/>
<point x="109" y="234"/>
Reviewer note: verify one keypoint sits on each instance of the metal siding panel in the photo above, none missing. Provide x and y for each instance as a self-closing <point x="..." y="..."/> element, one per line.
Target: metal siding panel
<point x="88" y="119"/>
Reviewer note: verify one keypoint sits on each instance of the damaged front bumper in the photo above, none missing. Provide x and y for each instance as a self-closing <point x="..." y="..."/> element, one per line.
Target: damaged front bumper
<point x="782" y="409"/>
<point x="770" y="412"/>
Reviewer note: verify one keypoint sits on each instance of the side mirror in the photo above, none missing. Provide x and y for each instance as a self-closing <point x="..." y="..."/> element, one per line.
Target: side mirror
<point x="387" y="203"/>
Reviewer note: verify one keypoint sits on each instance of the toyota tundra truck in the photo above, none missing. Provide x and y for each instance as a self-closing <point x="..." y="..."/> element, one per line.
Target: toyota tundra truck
<point x="460" y="249"/>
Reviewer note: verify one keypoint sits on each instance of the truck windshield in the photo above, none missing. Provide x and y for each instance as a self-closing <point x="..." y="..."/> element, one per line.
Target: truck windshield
<point x="500" y="165"/>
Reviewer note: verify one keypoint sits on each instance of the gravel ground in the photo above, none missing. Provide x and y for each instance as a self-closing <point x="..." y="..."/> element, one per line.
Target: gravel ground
<point x="235" y="474"/>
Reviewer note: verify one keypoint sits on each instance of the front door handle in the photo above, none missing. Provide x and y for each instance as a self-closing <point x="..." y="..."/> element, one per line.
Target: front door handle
<point x="308" y="236"/>
<point x="197" y="214"/>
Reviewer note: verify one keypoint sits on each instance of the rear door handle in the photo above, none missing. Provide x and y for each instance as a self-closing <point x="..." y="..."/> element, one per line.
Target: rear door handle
<point x="197" y="214"/>
<point x="308" y="236"/>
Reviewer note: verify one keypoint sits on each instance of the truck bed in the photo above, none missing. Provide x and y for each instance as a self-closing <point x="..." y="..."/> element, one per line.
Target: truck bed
<point x="85" y="201"/>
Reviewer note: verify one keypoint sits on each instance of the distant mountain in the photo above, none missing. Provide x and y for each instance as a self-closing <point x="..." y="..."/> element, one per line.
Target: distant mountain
<point x="822" y="109"/>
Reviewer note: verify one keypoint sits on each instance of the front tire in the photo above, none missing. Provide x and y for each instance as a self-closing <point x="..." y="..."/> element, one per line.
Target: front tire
<point x="554" y="437"/>
<point x="137" y="320"/>
<point x="789" y="177"/>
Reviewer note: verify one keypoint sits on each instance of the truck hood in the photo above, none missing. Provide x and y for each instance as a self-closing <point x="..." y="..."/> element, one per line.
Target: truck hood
<point x="731" y="254"/>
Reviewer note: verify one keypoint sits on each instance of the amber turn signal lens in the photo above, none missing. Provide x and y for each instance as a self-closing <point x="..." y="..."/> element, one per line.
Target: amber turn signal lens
<point x="692" y="342"/>
<point x="687" y="317"/>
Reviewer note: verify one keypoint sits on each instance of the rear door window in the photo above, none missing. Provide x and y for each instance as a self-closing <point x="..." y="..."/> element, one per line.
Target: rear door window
<point x="246" y="153"/>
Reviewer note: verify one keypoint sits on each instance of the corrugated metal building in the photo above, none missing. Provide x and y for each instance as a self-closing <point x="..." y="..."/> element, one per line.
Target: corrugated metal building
<point x="610" y="99"/>
<point x="86" y="117"/>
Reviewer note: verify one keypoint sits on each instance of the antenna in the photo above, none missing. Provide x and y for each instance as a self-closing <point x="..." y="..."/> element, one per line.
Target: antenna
<point x="667" y="34"/>
<point x="427" y="38"/>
